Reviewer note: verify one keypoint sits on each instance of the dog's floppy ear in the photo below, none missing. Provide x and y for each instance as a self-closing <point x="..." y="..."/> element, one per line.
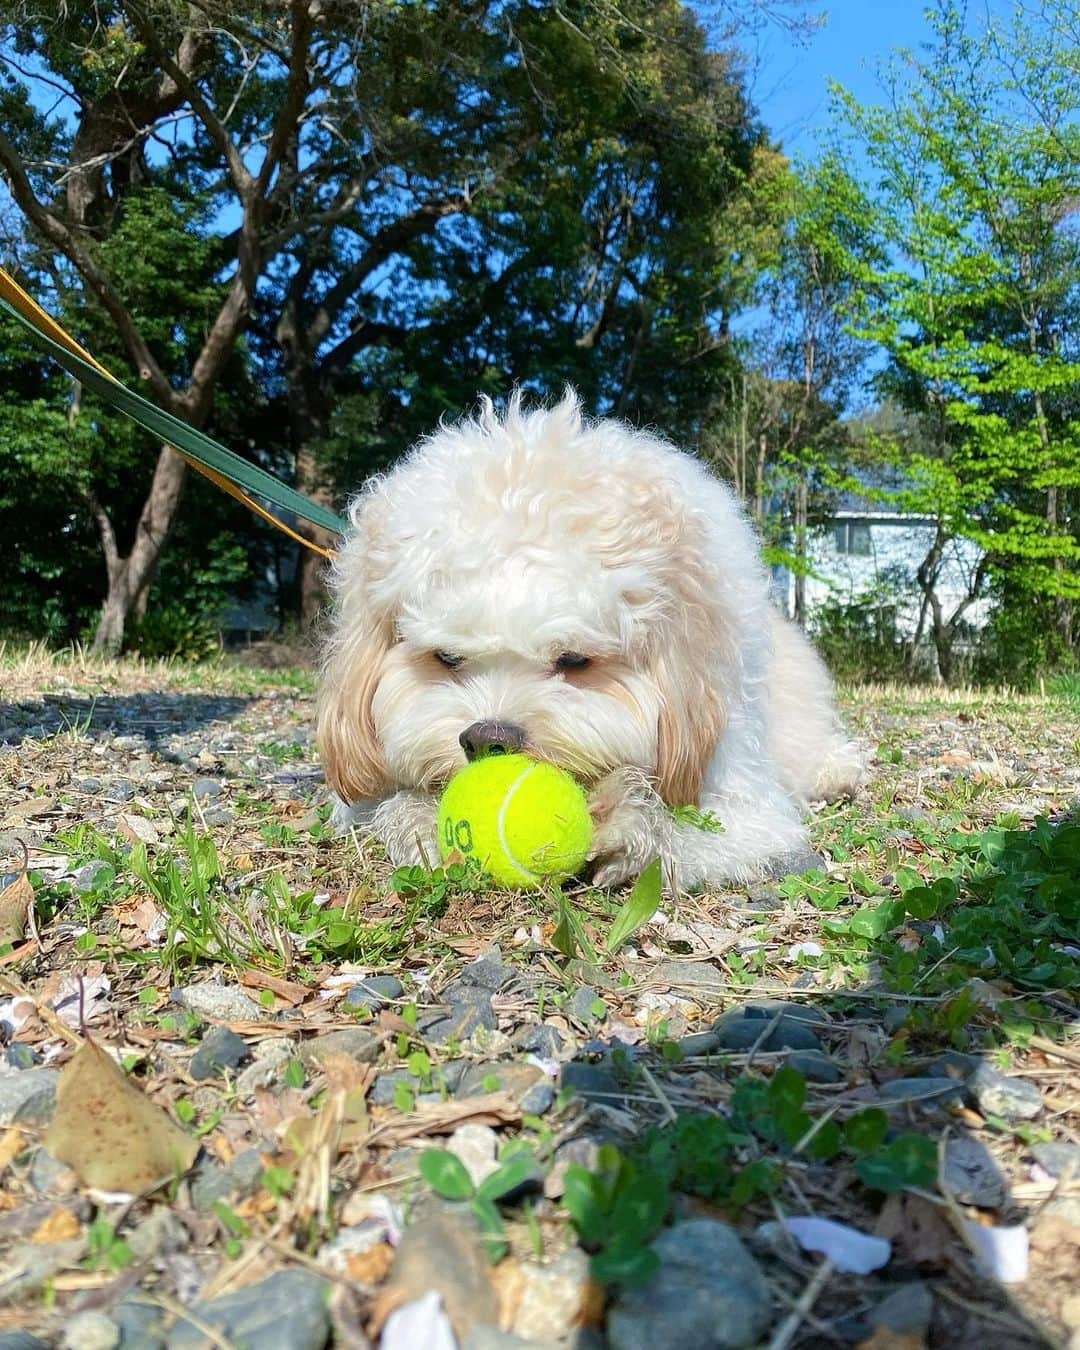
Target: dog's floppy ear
<point x="686" y="667"/>
<point x="691" y="720"/>
<point x="352" y="665"/>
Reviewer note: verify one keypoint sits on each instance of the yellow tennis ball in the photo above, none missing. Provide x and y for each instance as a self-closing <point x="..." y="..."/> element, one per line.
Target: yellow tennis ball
<point x="525" y="822"/>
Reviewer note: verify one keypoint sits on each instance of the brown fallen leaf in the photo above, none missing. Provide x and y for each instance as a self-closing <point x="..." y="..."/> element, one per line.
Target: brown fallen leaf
<point x="493" y="1108"/>
<point x="12" y="1143"/>
<point x="370" y="1266"/>
<point x="919" y="1231"/>
<point x="57" y="1226"/>
<point x="286" y="990"/>
<point x="112" y="1135"/>
<point x="15" y="901"/>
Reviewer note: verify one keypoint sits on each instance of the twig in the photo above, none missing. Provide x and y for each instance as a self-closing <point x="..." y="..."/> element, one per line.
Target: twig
<point x="1058" y="1051"/>
<point x="786" y="1331"/>
<point x="186" y="1315"/>
<point x="660" y="1094"/>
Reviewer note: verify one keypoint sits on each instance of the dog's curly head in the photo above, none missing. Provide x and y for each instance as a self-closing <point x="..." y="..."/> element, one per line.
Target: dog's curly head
<point x="532" y="579"/>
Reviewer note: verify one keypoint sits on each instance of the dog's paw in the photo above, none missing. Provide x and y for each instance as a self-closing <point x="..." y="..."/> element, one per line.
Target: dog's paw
<point x="406" y="825"/>
<point x="630" y="825"/>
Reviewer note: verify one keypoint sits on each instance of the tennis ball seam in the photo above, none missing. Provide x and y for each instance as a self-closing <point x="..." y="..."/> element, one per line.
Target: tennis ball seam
<point x="500" y="823"/>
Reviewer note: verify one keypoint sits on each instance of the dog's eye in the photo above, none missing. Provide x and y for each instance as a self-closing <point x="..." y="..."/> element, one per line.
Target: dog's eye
<point x="571" y="661"/>
<point x="449" y="660"/>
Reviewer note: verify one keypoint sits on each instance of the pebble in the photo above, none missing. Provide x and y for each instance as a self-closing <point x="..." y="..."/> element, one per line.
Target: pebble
<point x="996" y="1094"/>
<point x="461" y="1022"/>
<point x="709" y="1293"/>
<point x="21" y="1056"/>
<point x="541" y="1039"/>
<point x="927" y="1092"/>
<point x="815" y="1066"/>
<point x="357" y="1042"/>
<point x="160" y="1234"/>
<point x="92" y="875"/>
<point x="142" y="1325"/>
<point x="953" y="1064"/>
<point x="20" y="1340"/>
<point x="285" y="1311"/>
<point x="90" y="1331"/>
<point x="537" y="1099"/>
<point x="219" y="815"/>
<point x="515" y="1078"/>
<point x="238" y="1177"/>
<point x="487" y="973"/>
<point x="580" y="1005"/>
<point x="224" y="1002"/>
<point x="698" y="976"/>
<point x="1058" y="1158"/>
<point x="475" y="1146"/>
<point x="220" y="1049"/>
<point x="27" y="1096"/>
<point x="203" y="789"/>
<point x="551" y="1296"/>
<point x="49" y="1174"/>
<point x="906" y="1311"/>
<point x="591" y="1082"/>
<point x="743" y="1028"/>
<point x="441" y="1252"/>
<point x="972" y="1173"/>
<point x="373" y="993"/>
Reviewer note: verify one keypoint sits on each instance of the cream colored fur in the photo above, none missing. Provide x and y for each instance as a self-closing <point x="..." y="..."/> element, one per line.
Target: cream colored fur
<point x="507" y="540"/>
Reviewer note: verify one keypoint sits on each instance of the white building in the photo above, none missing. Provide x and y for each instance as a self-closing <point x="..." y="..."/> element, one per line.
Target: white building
<point x="871" y="552"/>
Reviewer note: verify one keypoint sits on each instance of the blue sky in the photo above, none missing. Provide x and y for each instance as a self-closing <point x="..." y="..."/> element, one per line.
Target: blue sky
<point x="788" y="78"/>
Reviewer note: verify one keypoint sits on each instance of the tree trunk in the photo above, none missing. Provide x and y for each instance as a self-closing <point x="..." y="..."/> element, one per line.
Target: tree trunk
<point x="943" y="646"/>
<point x="309" y="419"/>
<point x="130" y="577"/>
<point x="311" y="568"/>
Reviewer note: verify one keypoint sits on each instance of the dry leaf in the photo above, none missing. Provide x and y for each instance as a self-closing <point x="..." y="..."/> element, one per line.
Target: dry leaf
<point x="56" y="1227"/>
<point x="114" y="1137"/>
<point x="884" y="1338"/>
<point x="494" y="1108"/>
<point x="918" y="1230"/>
<point x="371" y="1266"/>
<point x="15" y="901"/>
<point x="12" y="1143"/>
<point x="286" y="990"/>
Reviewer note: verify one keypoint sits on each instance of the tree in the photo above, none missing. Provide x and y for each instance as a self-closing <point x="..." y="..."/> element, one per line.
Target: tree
<point x="968" y="290"/>
<point x="373" y="211"/>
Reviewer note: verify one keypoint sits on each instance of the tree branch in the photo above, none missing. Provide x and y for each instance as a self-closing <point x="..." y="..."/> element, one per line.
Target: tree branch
<point x="58" y="234"/>
<point x="296" y="90"/>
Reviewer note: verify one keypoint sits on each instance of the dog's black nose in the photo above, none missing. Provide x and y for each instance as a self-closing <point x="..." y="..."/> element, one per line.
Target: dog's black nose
<point x="491" y="738"/>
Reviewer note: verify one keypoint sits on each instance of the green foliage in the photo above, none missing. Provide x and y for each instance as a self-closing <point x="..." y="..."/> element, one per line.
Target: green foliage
<point x="445" y="1173"/>
<point x="616" y="1211"/>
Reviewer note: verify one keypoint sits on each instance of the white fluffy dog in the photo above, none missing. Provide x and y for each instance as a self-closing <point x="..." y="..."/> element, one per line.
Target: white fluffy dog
<point x="587" y="593"/>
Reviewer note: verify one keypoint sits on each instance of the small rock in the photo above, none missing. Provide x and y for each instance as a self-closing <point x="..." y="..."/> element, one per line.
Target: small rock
<point x="552" y="1296"/>
<point x="203" y="789"/>
<point x="580" y="1005"/>
<point x="511" y="1077"/>
<point x="926" y="1092"/>
<point x="1058" y="1158"/>
<point x="442" y="1252"/>
<point x="219" y="815"/>
<point x="487" y="973"/>
<point x="591" y="1082"/>
<point x="357" y="1042"/>
<point x="953" y="1064"/>
<point x="48" y="1175"/>
<point x="475" y="1146"/>
<point x="709" y="1293"/>
<point x="28" y="1096"/>
<point x="20" y="1340"/>
<point x="459" y="1023"/>
<point x="373" y="992"/>
<point x="485" y="1337"/>
<point x="238" y="1177"/>
<point x="743" y="1028"/>
<point x="90" y="786"/>
<point x="223" y="1002"/>
<point x="160" y="1234"/>
<point x="285" y="1311"/>
<point x="996" y="1094"/>
<point x="120" y="790"/>
<point x="695" y="976"/>
<point x="92" y="875"/>
<point x="907" y="1310"/>
<point x="220" y="1049"/>
<point x="537" y="1099"/>
<point x="21" y="1056"/>
<point x="142" y="1325"/>
<point x="90" y="1331"/>
<point x="972" y="1174"/>
<point x="32" y="1265"/>
<point x="815" y="1066"/>
<point x="542" y="1039"/>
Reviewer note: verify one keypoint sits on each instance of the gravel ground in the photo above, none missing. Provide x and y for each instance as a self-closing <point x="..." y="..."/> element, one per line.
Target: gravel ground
<point x="408" y="1110"/>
